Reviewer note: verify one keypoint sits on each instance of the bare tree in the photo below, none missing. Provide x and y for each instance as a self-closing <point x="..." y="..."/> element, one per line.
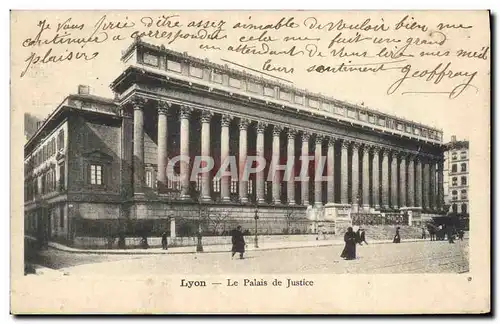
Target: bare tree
<point x="218" y="221"/>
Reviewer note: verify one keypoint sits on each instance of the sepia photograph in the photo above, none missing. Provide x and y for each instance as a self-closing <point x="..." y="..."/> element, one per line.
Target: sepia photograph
<point x="199" y="155"/>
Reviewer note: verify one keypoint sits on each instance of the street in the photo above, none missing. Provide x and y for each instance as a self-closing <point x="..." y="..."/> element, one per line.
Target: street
<point x="414" y="257"/>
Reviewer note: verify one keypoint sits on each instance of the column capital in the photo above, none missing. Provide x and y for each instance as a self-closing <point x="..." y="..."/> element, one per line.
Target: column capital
<point x="319" y="139"/>
<point x="292" y="133"/>
<point x="395" y="154"/>
<point x="226" y="120"/>
<point x="138" y="102"/>
<point x="376" y="149"/>
<point x="185" y="112"/>
<point x="355" y="145"/>
<point x="385" y="151"/>
<point x="332" y="140"/>
<point x="277" y="130"/>
<point x="261" y="127"/>
<point x="243" y="124"/>
<point x="163" y="107"/>
<point x="403" y="154"/>
<point x="126" y="113"/>
<point x="306" y="136"/>
<point x="366" y="148"/>
<point x="206" y="116"/>
<point x="346" y="144"/>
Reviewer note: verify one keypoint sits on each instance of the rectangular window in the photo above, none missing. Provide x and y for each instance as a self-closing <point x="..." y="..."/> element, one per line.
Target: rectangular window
<point x="299" y="99"/>
<point x="339" y="110"/>
<point x="196" y="72"/>
<point x="408" y="128"/>
<point x="96" y="174"/>
<point x="313" y="103"/>
<point x="381" y="121"/>
<point x="454" y="168"/>
<point x="463" y="155"/>
<point x="454" y="181"/>
<point x="363" y="116"/>
<point x="216" y="184"/>
<point x="235" y="83"/>
<point x="371" y="119"/>
<point x="62" y="180"/>
<point x="149" y="178"/>
<point x="463" y="167"/>
<point x="150" y="59"/>
<point x="269" y="92"/>
<point x="60" y="140"/>
<point x="254" y="87"/>
<point x="216" y="77"/>
<point x="463" y="181"/>
<point x="454" y="156"/>
<point x="174" y="66"/>
<point x="234" y="186"/>
<point x="61" y="216"/>
<point x="286" y="96"/>
<point x="351" y="113"/>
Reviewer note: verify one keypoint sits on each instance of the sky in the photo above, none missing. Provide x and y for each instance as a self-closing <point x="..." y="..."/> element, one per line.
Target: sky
<point x="43" y="87"/>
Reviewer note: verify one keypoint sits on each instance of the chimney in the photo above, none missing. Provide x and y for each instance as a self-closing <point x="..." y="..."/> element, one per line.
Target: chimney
<point x="83" y="89"/>
<point x="453" y="138"/>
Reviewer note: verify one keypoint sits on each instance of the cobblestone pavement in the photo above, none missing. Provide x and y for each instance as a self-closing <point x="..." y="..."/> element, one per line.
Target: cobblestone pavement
<point x="415" y="257"/>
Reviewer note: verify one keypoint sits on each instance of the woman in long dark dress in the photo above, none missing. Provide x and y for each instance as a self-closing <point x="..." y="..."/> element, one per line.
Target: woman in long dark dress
<point x="397" y="237"/>
<point x="349" y="252"/>
<point x="238" y="242"/>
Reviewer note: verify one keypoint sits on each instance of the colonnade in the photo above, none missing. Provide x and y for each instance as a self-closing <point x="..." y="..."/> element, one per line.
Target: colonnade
<point x="380" y="176"/>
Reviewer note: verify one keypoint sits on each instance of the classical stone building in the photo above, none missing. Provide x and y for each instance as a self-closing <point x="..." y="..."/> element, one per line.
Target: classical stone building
<point x="456" y="176"/>
<point x="97" y="165"/>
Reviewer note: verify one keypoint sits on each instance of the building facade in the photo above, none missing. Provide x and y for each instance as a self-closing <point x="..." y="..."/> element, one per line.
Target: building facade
<point x="98" y="166"/>
<point x="456" y="175"/>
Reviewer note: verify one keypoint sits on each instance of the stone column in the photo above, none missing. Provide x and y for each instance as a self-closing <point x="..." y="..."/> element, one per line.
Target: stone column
<point x="355" y="174"/>
<point x="138" y="104"/>
<point x="385" y="178"/>
<point x="261" y="127"/>
<point x="330" y="170"/>
<point x="305" y="183"/>
<point x="344" y="165"/>
<point x="206" y="116"/>
<point x="162" y="144"/>
<point x="402" y="180"/>
<point x="411" y="181"/>
<point x="185" y="114"/>
<point x="276" y="160"/>
<point x="433" y="187"/>
<point x="365" y="162"/>
<point x="291" y="157"/>
<point x="440" y="185"/>
<point x="426" y="184"/>
<point x="243" y="183"/>
<point x="224" y="155"/>
<point x="394" y="180"/>
<point x="375" y="178"/>
<point x="318" y="192"/>
<point x="418" y="182"/>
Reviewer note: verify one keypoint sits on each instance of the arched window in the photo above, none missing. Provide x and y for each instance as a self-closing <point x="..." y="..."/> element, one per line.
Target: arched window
<point x="463" y="167"/>
<point x="464" y="208"/>
<point x="463" y="181"/>
<point x="454" y="181"/>
<point x="454" y="208"/>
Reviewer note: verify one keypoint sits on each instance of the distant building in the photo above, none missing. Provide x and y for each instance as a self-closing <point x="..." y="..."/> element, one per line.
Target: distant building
<point x="456" y="176"/>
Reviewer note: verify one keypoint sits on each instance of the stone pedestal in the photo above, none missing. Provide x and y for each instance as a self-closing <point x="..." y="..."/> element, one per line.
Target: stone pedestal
<point x="340" y="215"/>
<point x="414" y="215"/>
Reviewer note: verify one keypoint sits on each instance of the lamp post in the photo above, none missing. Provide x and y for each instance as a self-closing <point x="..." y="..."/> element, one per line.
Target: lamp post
<point x="199" y="246"/>
<point x="256" y="239"/>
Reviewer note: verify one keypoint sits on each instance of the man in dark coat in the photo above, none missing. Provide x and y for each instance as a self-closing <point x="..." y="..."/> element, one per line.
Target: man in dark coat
<point x="164" y="242"/>
<point x="397" y="237"/>
<point x="358" y="237"/>
<point x="363" y="236"/>
<point x="349" y="252"/>
<point x="238" y="242"/>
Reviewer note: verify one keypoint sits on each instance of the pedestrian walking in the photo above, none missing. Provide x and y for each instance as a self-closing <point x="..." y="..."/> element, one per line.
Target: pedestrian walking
<point x="358" y="237"/>
<point x="397" y="237"/>
<point x="349" y="252"/>
<point x="424" y="234"/>
<point x="238" y="242"/>
<point x="461" y="234"/>
<point x="164" y="240"/>
<point x="363" y="236"/>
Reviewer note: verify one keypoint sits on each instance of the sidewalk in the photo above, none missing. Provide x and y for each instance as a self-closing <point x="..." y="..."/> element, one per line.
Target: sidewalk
<point x="217" y="248"/>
